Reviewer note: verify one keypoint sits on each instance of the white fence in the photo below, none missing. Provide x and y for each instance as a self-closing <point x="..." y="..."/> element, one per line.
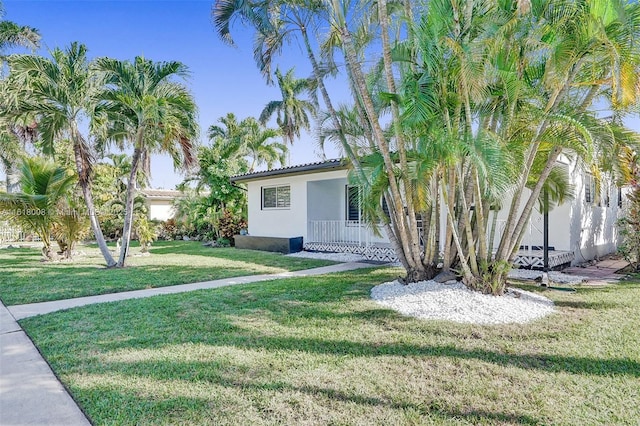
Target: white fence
<point x="11" y="234"/>
<point x="339" y="231"/>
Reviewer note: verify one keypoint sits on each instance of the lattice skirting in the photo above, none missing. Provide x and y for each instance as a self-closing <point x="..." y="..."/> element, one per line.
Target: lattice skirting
<point x="380" y="254"/>
<point x="376" y="253"/>
<point x="535" y="259"/>
<point x="524" y="259"/>
<point x="335" y="247"/>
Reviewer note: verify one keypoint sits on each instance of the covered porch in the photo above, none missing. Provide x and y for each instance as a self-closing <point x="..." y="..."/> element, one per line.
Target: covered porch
<point x="334" y="223"/>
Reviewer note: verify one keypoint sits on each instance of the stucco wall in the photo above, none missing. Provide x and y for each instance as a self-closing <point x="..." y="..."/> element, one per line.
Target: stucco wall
<point x="326" y="199"/>
<point x="586" y="229"/>
<point x="594" y="232"/>
<point x="290" y="222"/>
<point x="160" y="209"/>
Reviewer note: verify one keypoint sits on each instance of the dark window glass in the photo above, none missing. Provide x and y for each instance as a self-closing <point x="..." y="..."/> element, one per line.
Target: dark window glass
<point x="276" y="197"/>
<point x="353" y="203"/>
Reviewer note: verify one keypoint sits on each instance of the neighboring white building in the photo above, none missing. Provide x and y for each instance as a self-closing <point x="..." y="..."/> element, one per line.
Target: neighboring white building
<point x="315" y="202"/>
<point x="159" y="202"/>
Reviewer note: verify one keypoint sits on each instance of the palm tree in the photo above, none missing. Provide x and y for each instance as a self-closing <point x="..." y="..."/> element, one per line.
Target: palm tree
<point x="464" y="102"/>
<point x="43" y="186"/>
<point x="14" y="35"/>
<point x="10" y="151"/>
<point x="257" y="144"/>
<point x="61" y="92"/>
<point x="228" y="137"/>
<point x="233" y="139"/>
<point x="292" y="114"/>
<point x="276" y="24"/>
<point x="144" y="107"/>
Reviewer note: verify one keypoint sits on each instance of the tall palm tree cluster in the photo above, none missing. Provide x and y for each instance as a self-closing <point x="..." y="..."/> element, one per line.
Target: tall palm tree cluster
<point x="459" y="104"/>
<point x="139" y="105"/>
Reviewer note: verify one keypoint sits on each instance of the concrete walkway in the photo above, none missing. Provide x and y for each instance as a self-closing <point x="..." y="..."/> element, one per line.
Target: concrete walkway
<point x="30" y="394"/>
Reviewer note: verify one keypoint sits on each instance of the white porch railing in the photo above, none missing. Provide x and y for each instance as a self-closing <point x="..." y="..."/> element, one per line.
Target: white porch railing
<point x="339" y="231"/>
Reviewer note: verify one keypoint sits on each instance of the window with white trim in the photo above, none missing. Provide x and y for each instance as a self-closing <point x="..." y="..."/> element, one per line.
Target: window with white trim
<point x="276" y="197"/>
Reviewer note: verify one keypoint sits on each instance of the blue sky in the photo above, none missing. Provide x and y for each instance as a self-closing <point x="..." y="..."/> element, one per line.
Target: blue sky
<point x="223" y="78"/>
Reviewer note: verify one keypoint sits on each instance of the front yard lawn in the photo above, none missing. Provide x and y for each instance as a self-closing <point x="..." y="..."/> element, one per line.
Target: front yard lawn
<point x="318" y="351"/>
<point x="25" y="279"/>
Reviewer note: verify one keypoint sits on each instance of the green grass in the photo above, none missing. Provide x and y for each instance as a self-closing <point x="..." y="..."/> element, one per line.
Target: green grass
<point x="25" y="279"/>
<point x="318" y="351"/>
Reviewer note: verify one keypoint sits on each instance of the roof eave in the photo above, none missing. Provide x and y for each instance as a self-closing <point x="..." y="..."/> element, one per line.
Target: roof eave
<point x="291" y="171"/>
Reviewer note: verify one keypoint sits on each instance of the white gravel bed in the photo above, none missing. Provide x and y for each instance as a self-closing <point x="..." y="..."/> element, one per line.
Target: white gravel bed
<point x="555" y="276"/>
<point x="455" y="302"/>
<point x="336" y="257"/>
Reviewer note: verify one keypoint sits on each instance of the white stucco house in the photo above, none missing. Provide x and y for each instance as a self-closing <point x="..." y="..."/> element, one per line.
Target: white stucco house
<point x="159" y="202"/>
<point x="315" y="202"/>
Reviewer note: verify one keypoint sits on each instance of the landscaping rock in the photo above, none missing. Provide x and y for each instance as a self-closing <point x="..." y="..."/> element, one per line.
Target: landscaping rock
<point x="445" y="276"/>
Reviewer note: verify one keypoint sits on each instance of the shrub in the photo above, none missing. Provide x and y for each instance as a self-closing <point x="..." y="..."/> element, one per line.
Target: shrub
<point x="146" y="232"/>
<point x="230" y="225"/>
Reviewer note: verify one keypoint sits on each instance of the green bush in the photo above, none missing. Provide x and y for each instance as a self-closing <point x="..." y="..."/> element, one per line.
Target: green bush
<point x="230" y="225"/>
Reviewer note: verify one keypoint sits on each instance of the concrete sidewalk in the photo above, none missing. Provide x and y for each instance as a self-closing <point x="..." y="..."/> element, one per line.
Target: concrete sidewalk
<point x="30" y="394"/>
<point x="32" y="309"/>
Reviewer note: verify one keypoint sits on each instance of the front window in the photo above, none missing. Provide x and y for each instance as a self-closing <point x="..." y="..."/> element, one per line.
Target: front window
<point x="353" y="203"/>
<point x="276" y="197"/>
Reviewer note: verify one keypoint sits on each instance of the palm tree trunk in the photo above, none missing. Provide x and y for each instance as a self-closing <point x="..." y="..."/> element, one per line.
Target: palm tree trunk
<point x="447" y="258"/>
<point x="535" y="193"/>
<point x="128" y="213"/>
<point x="329" y="105"/>
<point x="480" y="217"/>
<point x="95" y="225"/>
<point x="404" y="236"/>
<point x="12" y="176"/>
<point x="400" y="140"/>
<point x="85" y="182"/>
<point x="466" y="271"/>
<point x="463" y="187"/>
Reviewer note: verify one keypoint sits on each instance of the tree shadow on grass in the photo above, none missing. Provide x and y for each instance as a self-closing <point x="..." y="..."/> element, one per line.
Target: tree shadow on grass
<point x="221" y="330"/>
<point x="543" y="362"/>
<point x="20" y="256"/>
<point x="581" y="304"/>
<point x="280" y="302"/>
<point x="156" y="408"/>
